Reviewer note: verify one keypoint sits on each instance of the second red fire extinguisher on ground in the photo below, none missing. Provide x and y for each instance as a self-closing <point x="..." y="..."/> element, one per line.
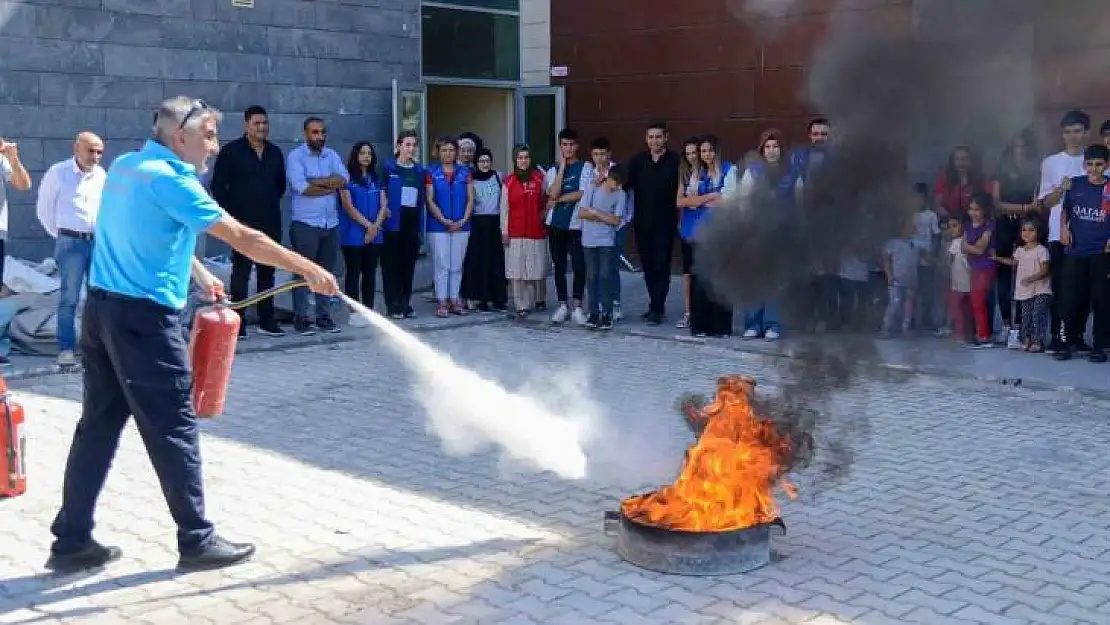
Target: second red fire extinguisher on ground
<point x="13" y="445"/>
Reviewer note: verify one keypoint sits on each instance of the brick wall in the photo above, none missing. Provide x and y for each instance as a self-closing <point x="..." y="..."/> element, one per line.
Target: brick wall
<point x="104" y="65"/>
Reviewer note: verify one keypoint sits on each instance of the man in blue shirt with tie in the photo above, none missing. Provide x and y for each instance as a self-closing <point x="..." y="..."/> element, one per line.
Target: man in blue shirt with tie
<point x="133" y="342"/>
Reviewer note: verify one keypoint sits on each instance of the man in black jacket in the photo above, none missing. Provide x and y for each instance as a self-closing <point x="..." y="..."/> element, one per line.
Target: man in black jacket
<point x="248" y="180"/>
<point x="653" y="183"/>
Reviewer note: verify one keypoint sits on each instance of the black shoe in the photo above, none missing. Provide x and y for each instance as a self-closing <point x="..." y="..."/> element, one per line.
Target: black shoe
<point x="271" y="328"/>
<point x="327" y="325"/>
<point x="1097" y="356"/>
<point x="606" y="323"/>
<point x="243" y="334"/>
<point x="592" y="321"/>
<point x="500" y="308"/>
<point x="1082" y="347"/>
<point x="304" y="327"/>
<point x="94" y="555"/>
<point x="216" y="555"/>
<point x="541" y="306"/>
<point x="1064" y="353"/>
<point x="1055" y="346"/>
<point x="653" y="319"/>
<point x="409" y="313"/>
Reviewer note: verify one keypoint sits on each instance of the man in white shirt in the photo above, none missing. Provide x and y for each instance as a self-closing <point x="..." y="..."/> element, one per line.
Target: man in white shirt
<point x="1075" y="125"/>
<point x="68" y="202"/>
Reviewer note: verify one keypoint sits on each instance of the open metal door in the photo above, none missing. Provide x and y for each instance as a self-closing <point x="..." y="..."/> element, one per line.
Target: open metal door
<point x="543" y="113"/>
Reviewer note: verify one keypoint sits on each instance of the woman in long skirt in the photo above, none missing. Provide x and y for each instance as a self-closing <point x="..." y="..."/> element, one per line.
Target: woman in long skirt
<point x="483" y="280"/>
<point x="522" y="232"/>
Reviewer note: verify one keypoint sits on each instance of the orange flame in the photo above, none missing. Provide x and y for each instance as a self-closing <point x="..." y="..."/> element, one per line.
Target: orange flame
<point x="728" y="479"/>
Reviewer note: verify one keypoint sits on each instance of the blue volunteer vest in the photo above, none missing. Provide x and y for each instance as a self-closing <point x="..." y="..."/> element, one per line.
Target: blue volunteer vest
<point x="393" y="187"/>
<point x="692" y="217"/>
<point x="366" y="197"/>
<point x="450" y="197"/>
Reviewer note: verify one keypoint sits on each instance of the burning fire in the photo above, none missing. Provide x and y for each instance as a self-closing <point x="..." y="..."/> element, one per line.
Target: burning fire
<point x="729" y="476"/>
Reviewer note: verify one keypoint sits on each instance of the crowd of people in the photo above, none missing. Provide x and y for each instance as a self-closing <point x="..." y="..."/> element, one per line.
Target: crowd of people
<point x="1028" y="240"/>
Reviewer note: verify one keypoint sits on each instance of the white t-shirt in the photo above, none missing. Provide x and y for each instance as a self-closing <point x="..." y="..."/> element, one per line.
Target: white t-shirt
<point x="1054" y="169"/>
<point x="961" y="271"/>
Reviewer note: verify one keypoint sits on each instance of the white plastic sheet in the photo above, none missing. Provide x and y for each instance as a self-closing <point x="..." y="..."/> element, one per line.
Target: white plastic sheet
<point x="21" y="276"/>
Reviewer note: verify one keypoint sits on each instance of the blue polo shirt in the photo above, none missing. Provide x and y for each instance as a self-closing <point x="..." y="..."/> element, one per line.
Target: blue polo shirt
<point x="152" y="209"/>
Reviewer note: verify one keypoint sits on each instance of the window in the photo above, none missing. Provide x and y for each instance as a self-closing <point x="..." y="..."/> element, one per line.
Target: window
<point x="496" y="5"/>
<point x="458" y="43"/>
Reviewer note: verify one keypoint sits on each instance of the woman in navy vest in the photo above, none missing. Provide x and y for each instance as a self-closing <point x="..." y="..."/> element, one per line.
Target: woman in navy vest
<point x="450" y="197"/>
<point x="404" y="182"/>
<point x="763" y="182"/>
<point x="717" y="179"/>
<point x="360" y="225"/>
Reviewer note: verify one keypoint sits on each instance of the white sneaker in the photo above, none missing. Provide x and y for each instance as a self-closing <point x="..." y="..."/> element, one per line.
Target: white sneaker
<point x="578" y="316"/>
<point x="66" y="358"/>
<point x="750" y="333"/>
<point x="561" y="314"/>
<point x="771" y="335"/>
<point x="1013" y="339"/>
<point x="617" y="314"/>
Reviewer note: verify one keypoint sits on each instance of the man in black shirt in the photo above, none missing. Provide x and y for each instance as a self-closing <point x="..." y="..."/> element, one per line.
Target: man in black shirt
<point x="653" y="183"/>
<point x="248" y="180"/>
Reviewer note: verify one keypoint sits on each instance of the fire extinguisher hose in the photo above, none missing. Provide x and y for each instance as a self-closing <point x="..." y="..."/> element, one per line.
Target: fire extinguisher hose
<point x="258" y="297"/>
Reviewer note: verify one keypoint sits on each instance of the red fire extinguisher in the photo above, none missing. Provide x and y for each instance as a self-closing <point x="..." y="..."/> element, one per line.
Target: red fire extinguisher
<point x="212" y="344"/>
<point x="13" y="445"/>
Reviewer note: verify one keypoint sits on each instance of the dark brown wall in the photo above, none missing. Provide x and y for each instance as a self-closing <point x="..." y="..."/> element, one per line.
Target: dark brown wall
<point x="703" y="68"/>
<point x="694" y="63"/>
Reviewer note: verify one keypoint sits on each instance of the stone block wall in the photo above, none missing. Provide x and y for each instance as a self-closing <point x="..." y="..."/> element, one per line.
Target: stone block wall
<point x="104" y="65"/>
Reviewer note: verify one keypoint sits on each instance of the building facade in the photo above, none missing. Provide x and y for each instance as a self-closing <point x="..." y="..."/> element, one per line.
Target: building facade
<point x="716" y="68"/>
<point x="368" y="67"/>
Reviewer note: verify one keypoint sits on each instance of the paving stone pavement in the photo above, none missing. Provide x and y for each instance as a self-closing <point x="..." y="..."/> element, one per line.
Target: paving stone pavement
<point x="969" y="503"/>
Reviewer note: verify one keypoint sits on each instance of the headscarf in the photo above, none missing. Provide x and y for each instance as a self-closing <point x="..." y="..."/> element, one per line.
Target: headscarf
<point x="476" y="171"/>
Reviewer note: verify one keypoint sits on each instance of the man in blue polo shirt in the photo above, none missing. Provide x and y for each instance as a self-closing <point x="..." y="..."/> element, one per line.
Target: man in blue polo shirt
<point x="133" y="342"/>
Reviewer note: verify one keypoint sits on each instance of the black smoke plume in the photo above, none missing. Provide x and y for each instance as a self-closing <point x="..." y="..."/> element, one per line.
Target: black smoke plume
<point x="893" y="81"/>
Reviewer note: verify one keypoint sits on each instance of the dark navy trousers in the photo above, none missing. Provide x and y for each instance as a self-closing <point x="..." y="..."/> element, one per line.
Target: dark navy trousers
<point x="135" y="357"/>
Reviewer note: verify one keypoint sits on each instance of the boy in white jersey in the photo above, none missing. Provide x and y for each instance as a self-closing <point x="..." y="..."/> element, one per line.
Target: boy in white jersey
<point x="1075" y="126"/>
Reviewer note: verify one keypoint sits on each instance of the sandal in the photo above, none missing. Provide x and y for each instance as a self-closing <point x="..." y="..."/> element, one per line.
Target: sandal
<point x="523" y="312"/>
<point x="455" y="309"/>
<point x="442" y="312"/>
<point x="1036" y="348"/>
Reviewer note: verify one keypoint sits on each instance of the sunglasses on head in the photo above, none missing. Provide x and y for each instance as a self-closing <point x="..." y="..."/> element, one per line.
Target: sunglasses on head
<point x="199" y="106"/>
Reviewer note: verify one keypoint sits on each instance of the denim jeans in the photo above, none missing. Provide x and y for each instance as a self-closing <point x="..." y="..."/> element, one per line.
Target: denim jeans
<point x="615" y="264"/>
<point x="599" y="279"/>
<point x="899" y="307"/>
<point x="762" y="318"/>
<point x="73" y="256"/>
<point x="321" y="246"/>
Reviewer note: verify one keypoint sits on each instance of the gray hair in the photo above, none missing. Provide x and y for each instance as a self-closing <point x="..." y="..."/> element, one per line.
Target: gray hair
<point x="182" y="112"/>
